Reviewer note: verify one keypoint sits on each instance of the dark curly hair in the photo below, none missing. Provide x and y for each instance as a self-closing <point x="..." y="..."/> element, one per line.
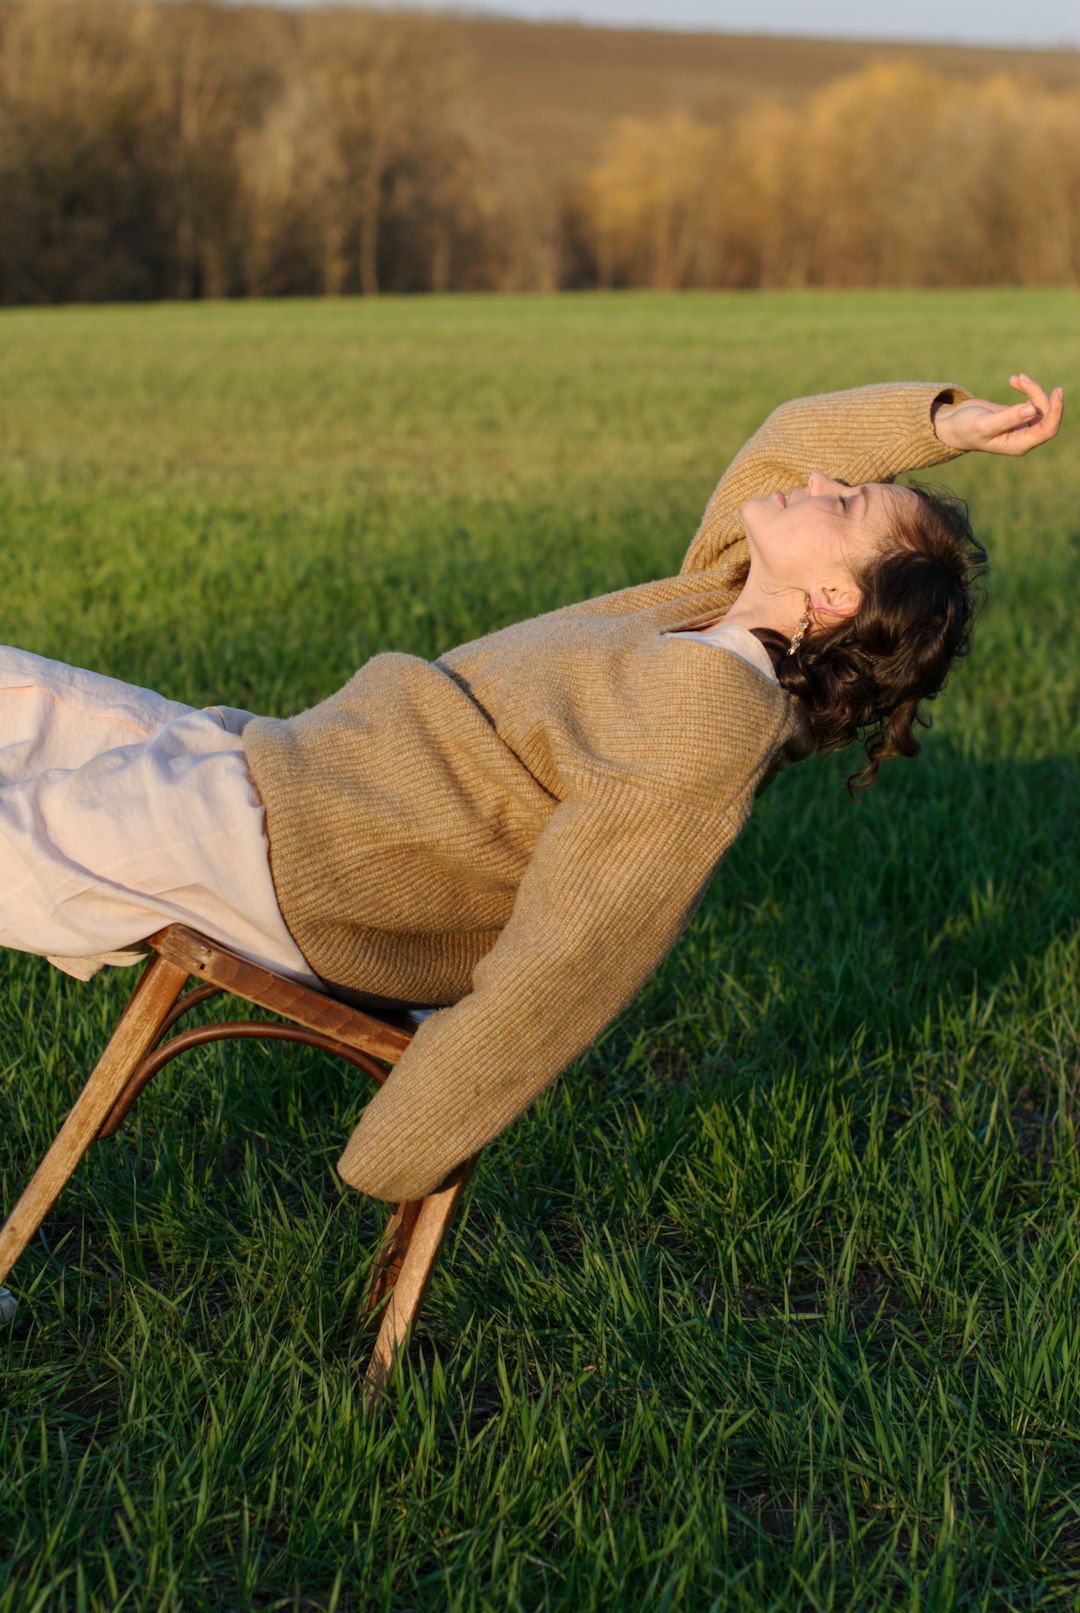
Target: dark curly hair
<point x="865" y="678"/>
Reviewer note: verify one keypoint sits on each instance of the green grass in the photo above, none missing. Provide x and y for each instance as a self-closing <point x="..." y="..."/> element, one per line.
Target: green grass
<point x="773" y="1302"/>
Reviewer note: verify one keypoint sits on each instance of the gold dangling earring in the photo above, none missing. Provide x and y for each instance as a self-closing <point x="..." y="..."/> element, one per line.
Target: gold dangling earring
<point x="800" y="632"/>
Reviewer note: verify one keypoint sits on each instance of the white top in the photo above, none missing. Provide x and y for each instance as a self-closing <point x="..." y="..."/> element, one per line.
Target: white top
<point x="121" y="812"/>
<point x="738" y="641"/>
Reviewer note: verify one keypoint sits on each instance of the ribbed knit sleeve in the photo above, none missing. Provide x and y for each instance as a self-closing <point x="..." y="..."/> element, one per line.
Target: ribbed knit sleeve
<point x="612" y="883"/>
<point x="866" y="434"/>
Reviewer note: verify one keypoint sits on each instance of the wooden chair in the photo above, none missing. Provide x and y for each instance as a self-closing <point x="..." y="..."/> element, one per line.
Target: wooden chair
<point x="138" y="1049"/>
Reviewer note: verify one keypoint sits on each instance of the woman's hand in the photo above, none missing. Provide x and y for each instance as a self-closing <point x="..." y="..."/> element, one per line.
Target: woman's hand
<point x="1001" y="428"/>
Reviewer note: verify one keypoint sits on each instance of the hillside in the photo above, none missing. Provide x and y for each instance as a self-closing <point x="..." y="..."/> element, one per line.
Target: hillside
<point x="553" y="89"/>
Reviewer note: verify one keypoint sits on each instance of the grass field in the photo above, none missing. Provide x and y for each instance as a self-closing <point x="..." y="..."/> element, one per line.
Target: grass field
<point x="773" y="1302"/>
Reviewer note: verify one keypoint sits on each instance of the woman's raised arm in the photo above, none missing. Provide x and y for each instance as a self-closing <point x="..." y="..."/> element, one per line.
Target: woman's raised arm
<point x="864" y="434"/>
<point x="869" y="434"/>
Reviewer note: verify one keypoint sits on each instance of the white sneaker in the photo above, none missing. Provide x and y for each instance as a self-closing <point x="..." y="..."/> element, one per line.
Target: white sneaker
<point x="8" y="1305"/>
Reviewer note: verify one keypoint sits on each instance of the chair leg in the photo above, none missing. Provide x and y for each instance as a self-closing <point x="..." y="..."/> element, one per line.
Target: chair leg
<point x="393" y="1248"/>
<point x="430" y="1224"/>
<point x="135" y="1034"/>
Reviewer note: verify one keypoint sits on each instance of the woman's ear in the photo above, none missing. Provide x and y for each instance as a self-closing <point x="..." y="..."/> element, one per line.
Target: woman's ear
<point x="833" y="602"/>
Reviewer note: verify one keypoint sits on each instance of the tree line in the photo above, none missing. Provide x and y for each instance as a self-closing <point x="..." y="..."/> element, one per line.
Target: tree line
<point x="194" y="149"/>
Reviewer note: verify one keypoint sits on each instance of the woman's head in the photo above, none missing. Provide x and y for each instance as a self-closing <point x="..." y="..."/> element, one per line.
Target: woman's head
<point x="817" y="541"/>
<point x="862" y="672"/>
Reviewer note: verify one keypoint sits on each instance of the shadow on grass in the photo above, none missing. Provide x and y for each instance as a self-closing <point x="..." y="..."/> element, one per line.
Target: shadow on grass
<point x="834" y="920"/>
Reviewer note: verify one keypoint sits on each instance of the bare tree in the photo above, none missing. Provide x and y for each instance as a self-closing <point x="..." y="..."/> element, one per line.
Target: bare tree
<point x="888" y="176"/>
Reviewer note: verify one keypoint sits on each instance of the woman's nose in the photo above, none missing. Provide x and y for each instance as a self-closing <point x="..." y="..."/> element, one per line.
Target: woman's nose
<point x="820" y="483"/>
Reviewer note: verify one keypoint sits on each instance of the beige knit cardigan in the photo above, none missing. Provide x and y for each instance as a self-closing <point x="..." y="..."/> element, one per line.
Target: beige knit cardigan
<point x="522" y="829"/>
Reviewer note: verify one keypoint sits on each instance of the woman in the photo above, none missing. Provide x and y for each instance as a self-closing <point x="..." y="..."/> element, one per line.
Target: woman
<point x="518" y="832"/>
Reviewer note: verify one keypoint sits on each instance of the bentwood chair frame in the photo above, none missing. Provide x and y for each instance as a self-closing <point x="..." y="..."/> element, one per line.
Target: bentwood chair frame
<point x="141" y="1045"/>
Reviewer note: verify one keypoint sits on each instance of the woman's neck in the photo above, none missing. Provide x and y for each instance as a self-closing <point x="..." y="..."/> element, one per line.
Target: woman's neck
<point x="764" y="602"/>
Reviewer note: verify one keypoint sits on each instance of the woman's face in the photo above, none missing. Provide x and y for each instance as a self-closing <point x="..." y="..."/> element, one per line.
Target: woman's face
<point x="824" y="528"/>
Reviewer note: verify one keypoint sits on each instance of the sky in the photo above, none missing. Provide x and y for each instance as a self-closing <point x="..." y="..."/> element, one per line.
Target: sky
<point x="1044" y="23"/>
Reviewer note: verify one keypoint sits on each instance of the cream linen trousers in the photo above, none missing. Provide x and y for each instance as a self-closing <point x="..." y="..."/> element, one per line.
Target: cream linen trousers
<point x="122" y="811"/>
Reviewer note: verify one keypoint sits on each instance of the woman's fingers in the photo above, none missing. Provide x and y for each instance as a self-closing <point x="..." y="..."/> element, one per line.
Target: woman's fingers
<point x="1011" y="417"/>
<point x="1050" y="405"/>
<point x="1026" y="425"/>
<point x="1036" y="393"/>
<point x="1051" y="423"/>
